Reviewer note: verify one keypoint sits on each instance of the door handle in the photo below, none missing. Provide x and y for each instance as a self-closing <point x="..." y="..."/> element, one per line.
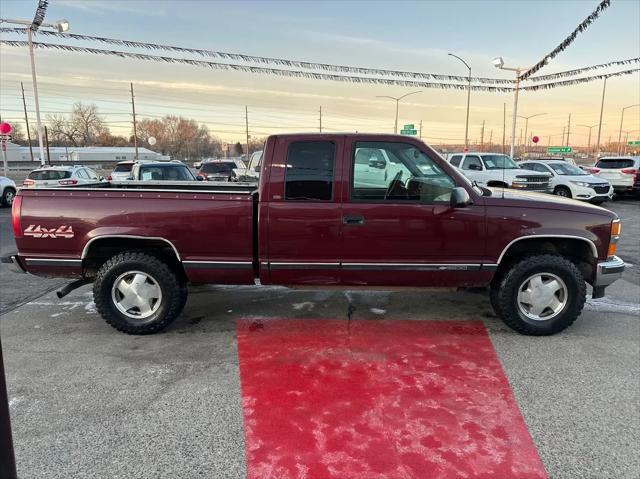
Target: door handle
<point x="353" y="220"/>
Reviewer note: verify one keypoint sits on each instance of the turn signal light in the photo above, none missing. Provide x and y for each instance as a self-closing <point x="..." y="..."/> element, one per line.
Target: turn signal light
<point x="28" y="182"/>
<point x="616" y="228"/>
<point x="612" y="249"/>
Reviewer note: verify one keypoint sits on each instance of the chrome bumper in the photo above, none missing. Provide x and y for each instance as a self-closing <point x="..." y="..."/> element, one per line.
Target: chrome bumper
<point x="608" y="271"/>
<point x="13" y="263"/>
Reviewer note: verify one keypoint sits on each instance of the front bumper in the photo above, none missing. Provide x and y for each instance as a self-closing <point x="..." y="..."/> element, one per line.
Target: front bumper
<point x="13" y="263"/>
<point x="608" y="271"/>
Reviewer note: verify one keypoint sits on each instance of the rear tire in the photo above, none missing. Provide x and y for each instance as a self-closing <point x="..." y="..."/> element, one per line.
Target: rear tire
<point x="137" y="293"/>
<point x="8" y="196"/>
<point x="519" y="298"/>
<point x="563" y="191"/>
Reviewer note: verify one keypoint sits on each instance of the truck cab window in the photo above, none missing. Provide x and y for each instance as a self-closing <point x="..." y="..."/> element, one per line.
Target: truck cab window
<point x="472" y="163"/>
<point x="309" y="172"/>
<point x="389" y="171"/>
<point x="455" y="160"/>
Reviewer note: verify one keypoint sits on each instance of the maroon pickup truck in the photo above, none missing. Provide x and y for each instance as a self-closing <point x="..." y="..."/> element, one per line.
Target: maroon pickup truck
<point x="347" y="210"/>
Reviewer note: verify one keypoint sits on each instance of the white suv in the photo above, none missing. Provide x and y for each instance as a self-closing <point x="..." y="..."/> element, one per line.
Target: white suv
<point x="7" y="191"/>
<point x="571" y="182"/>
<point x="623" y="172"/>
<point x="498" y="170"/>
<point x="60" y="176"/>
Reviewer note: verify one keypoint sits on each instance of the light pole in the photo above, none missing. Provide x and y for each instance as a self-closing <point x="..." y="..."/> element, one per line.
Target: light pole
<point x="604" y="90"/>
<point x="498" y="62"/>
<point x="62" y="26"/>
<point x="466" y="127"/>
<point x="620" y="132"/>
<point x="397" y="100"/>
<point x="589" y="140"/>
<point x="526" y="127"/>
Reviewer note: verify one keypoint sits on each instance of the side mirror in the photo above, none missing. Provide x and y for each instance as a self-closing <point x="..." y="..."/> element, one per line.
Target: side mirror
<point x="475" y="167"/>
<point x="101" y="178"/>
<point x="199" y="178"/>
<point x="460" y="198"/>
<point x="375" y="163"/>
<point x="257" y="169"/>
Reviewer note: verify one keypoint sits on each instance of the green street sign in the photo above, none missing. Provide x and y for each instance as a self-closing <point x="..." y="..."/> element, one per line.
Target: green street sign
<point x="410" y="126"/>
<point x="633" y="143"/>
<point x="408" y="132"/>
<point x="559" y="149"/>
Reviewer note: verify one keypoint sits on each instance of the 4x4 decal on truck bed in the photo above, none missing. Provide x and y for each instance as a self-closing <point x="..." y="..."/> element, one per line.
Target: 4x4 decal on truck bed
<point x="40" y="232"/>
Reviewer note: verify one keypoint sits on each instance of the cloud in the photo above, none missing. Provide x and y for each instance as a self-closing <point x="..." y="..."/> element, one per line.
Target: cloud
<point x="115" y="6"/>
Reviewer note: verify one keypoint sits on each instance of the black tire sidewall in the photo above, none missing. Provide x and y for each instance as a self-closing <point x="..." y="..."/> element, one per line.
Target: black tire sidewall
<point x="565" y="189"/>
<point x="173" y="296"/>
<point x="3" y="200"/>
<point x="513" y="280"/>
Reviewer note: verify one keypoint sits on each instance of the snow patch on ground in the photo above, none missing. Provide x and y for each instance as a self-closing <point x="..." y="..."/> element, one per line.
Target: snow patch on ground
<point x="90" y="308"/>
<point x="607" y="305"/>
<point x="378" y="311"/>
<point x="304" y="306"/>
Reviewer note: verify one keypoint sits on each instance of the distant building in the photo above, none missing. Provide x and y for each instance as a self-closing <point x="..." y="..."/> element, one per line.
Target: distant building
<point x="87" y="154"/>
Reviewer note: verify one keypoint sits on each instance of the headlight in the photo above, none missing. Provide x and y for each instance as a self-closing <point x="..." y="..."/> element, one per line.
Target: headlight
<point x="581" y="183"/>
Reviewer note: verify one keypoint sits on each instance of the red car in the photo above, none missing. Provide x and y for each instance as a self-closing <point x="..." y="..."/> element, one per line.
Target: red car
<point x="314" y="221"/>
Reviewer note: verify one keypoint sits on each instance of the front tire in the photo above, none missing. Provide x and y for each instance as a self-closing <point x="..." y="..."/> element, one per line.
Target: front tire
<point x="563" y="191"/>
<point x="541" y="295"/>
<point x="137" y="293"/>
<point x="8" y="196"/>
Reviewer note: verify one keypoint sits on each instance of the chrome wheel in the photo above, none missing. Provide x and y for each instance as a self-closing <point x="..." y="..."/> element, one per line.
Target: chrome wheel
<point x="542" y="296"/>
<point x="9" y="195"/>
<point x="137" y="295"/>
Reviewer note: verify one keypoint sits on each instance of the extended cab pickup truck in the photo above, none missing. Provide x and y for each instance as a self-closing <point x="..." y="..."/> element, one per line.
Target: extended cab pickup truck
<point x="312" y="222"/>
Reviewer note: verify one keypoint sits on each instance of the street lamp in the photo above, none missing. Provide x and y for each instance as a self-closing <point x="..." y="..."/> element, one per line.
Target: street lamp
<point x="589" y="140"/>
<point x="61" y="26"/>
<point x="397" y="100"/>
<point x="466" y="127"/>
<point x="620" y="132"/>
<point x="526" y="127"/>
<point x="498" y="62"/>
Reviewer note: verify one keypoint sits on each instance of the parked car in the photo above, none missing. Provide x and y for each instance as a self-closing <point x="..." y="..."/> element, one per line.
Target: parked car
<point x="122" y="170"/>
<point x="307" y="224"/>
<point x="554" y="158"/>
<point x="59" y="176"/>
<point x="7" y="191"/>
<point x="251" y="172"/>
<point x="569" y="181"/>
<point x="161" y="171"/>
<point x="498" y="170"/>
<point x="219" y="170"/>
<point x="623" y="172"/>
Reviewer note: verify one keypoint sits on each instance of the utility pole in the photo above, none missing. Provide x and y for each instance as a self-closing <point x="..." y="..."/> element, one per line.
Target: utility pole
<point x="246" y="121"/>
<point x="35" y="94"/>
<point x="504" y="124"/>
<point x="421" y="129"/>
<point x="520" y="140"/>
<point x="26" y="120"/>
<point x="568" y="129"/>
<point x="482" y="137"/>
<point x="320" y="118"/>
<point x="604" y="89"/>
<point x="135" y="126"/>
<point x="490" y="138"/>
<point x="46" y="136"/>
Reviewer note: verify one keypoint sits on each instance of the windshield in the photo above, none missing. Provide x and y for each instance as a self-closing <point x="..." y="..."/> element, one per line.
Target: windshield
<point x="614" y="163"/>
<point x="42" y="175"/>
<point x="224" y="167"/>
<point x="166" y="173"/>
<point x="567" y="169"/>
<point x="499" y="162"/>
<point x="126" y="168"/>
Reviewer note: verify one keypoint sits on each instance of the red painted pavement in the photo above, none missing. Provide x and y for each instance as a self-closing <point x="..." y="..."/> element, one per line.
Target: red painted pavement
<point x="379" y="399"/>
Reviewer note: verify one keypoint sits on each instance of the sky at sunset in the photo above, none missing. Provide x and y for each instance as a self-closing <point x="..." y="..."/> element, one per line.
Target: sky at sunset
<point x="413" y="36"/>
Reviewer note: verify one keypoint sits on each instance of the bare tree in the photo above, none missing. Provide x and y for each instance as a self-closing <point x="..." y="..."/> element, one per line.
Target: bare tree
<point x="62" y="130"/>
<point x="86" y="120"/>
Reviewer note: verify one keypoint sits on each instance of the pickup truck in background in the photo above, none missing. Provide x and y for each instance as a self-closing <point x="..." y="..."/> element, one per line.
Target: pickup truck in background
<point x="312" y="222"/>
<point x="499" y="171"/>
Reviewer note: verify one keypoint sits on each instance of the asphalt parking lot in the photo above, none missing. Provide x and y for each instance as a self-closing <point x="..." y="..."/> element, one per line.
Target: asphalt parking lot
<point x="87" y="401"/>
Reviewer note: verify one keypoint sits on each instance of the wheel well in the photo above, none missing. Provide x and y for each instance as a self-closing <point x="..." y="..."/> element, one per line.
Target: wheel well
<point x="577" y="251"/>
<point x="100" y="250"/>
<point x="500" y="184"/>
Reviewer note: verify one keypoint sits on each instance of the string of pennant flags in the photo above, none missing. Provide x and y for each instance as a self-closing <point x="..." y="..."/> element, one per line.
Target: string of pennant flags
<point x="311" y="74"/>
<point x="322" y="66"/>
<point x="602" y="6"/>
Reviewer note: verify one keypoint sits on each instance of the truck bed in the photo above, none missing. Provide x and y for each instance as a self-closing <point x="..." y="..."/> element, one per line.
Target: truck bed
<point x="207" y="226"/>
